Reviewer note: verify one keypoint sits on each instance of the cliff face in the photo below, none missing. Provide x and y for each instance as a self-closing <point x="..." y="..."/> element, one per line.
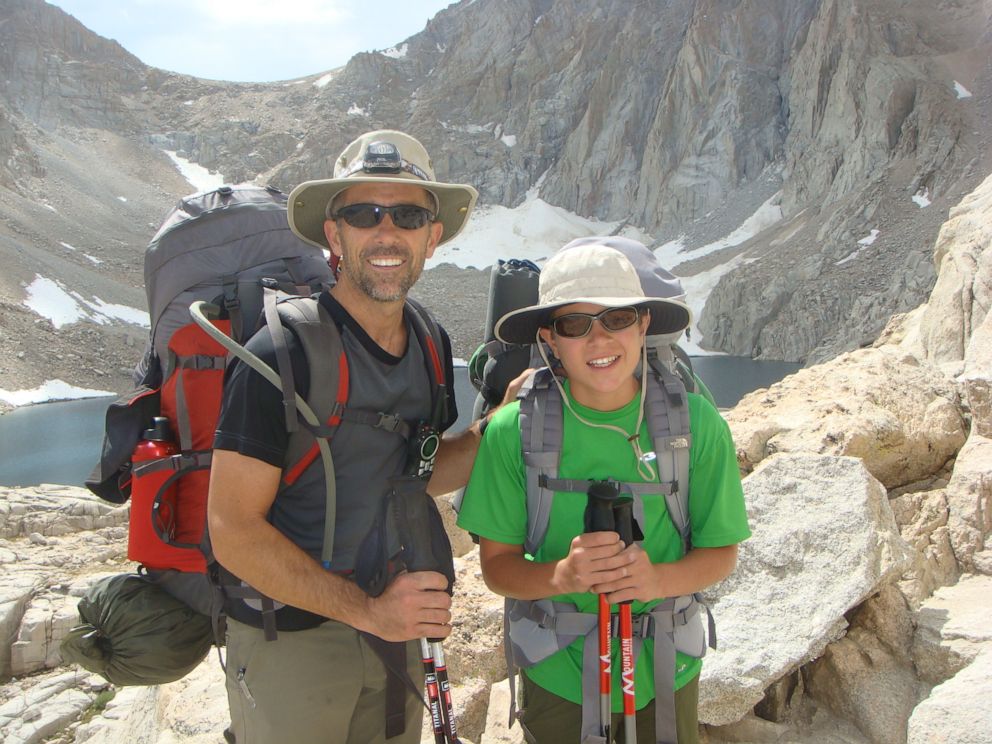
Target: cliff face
<point x="680" y="117"/>
<point x="874" y="120"/>
<point x="58" y="72"/>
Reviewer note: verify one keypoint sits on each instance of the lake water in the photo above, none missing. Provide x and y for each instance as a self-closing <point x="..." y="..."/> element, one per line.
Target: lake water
<point x="60" y="442"/>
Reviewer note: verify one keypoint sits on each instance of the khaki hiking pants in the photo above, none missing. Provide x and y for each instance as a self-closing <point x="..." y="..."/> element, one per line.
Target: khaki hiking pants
<point x="318" y="686"/>
<point x="549" y="719"/>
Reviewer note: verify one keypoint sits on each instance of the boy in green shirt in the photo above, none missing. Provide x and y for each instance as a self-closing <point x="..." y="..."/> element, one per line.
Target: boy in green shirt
<point x="593" y="316"/>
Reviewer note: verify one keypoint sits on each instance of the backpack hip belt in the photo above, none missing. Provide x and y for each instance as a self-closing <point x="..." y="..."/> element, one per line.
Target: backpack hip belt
<point x="537" y="629"/>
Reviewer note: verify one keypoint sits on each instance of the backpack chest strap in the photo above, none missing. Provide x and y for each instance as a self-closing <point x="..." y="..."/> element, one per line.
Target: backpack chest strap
<point x="573" y="485"/>
<point x="377" y="420"/>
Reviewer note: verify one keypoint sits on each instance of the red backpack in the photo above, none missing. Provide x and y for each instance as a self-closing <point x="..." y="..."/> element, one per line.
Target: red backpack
<point x="225" y="247"/>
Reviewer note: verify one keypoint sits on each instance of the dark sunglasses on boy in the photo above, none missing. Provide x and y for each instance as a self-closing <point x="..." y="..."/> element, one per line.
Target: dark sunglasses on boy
<point x="577" y="325"/>
<point x="404" y="216"/>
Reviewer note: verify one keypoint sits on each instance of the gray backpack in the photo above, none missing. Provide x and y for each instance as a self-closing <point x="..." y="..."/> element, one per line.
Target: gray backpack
<point x="228" y="247"/>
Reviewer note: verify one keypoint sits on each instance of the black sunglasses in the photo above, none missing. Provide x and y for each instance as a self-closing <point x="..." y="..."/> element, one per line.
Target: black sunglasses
<point x="577" y="325"/>
<point x="404" y="216"/>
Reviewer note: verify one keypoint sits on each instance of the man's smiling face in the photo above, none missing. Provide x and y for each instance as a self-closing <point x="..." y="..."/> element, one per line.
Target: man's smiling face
<point x="384" y="261"/>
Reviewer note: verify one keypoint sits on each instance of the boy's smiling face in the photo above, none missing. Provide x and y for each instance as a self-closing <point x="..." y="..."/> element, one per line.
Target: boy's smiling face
<point x="600" y="365"/>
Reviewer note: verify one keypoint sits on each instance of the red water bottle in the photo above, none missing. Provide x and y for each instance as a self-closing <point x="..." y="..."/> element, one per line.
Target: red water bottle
<point x="153" y="520"/>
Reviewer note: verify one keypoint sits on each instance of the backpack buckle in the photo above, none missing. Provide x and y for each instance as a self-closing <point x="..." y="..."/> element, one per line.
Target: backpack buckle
<point x="231" y="301"/>
<point x="641" y="626"/>
<point x="389" y="422"/>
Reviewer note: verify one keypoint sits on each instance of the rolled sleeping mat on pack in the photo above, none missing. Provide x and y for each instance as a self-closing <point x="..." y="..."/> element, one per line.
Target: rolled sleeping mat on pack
<point x="512" y="285"/>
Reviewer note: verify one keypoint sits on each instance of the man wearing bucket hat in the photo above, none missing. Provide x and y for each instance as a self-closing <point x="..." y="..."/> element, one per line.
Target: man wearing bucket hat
<point x="382" y="216"/>
<point x="528" y="505"/>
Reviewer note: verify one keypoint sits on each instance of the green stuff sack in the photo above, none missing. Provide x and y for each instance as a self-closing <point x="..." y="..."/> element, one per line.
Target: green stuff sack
<point x="134" y="633"/>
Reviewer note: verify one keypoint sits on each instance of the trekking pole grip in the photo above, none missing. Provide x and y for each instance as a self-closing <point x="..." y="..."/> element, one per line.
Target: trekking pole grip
<point x="599" y="515"/>
<point x="599" y="518"/>
<point x="623" y="519"/>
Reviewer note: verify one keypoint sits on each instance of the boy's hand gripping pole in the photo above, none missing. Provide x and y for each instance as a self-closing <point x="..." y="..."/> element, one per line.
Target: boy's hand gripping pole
<point x="599" y="518"/>
<point x="623" y="516"/>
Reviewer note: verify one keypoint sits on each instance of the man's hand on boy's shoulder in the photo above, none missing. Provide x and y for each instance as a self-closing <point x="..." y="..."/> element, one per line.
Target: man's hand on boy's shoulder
<point x="514" y="387"/>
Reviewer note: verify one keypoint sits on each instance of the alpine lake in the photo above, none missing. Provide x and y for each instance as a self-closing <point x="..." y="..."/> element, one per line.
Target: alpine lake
<point x="60" y="442"/>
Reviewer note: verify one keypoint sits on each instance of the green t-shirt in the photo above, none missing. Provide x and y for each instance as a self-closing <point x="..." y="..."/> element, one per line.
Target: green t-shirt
<point x="495" y="507"/>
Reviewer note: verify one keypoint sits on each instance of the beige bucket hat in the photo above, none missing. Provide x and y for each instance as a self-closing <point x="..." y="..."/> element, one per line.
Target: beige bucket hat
<point x="597" y="274"/>
<point x="382" y="156"/>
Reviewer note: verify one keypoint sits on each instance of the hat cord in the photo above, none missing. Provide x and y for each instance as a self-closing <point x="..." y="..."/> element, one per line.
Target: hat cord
<point x="644" y="459"/>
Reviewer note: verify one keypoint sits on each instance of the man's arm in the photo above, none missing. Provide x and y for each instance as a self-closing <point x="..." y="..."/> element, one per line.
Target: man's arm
<point x="454" y="460"/>
<point x="453" y="465"/>
<point x="242" y="490"/>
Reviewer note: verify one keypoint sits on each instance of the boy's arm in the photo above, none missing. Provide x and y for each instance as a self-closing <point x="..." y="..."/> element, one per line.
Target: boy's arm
<point x="593" y="558"/>
<point x="646" y="581"/>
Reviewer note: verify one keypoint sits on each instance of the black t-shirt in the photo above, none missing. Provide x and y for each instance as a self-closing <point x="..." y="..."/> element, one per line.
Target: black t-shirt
<point x="258" y="429"/>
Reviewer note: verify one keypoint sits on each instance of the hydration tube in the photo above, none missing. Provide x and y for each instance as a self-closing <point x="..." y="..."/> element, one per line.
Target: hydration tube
<point x="199" y="311"/>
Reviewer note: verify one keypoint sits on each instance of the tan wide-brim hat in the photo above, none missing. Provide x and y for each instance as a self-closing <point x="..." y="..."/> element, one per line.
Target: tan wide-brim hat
<point x="383" y="156"/>
<point x="596" y="274"/>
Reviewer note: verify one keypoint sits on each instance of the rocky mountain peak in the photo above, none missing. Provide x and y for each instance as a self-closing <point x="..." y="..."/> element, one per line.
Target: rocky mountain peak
<point x="857" y="123"/>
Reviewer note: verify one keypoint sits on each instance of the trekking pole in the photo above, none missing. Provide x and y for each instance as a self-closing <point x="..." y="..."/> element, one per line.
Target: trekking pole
<point x="421" y="452"/>
<point x="447" y="706"/>
<point x="623" y="514"/>
<point x="433" y="698"/>
<point x="599" y="518"/>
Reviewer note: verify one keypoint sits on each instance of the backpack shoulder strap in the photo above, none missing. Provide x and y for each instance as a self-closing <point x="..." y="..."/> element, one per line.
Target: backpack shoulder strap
<point x="323" y="349"/>
<point x="198" y="311"/>
<point x="540" y="442"/>
<point x="683" y="365"/>
<point x="320" y="340"/>
<point x="667" y="409"/>
<point x="283" y="363"/>
<point x="428" y="334"/>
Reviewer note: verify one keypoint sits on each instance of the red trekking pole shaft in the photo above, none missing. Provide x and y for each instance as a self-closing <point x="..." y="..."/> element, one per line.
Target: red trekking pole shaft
<point x="449" y="731"/>
<point x="624" y="518"/>
<point x="605" y="667"/>
<point x="599" y="518"/>
<point x="433" y="696"/>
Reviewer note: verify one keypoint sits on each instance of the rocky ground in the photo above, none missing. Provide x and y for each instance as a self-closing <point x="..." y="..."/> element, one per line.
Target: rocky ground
<point x="459" y="298"/>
